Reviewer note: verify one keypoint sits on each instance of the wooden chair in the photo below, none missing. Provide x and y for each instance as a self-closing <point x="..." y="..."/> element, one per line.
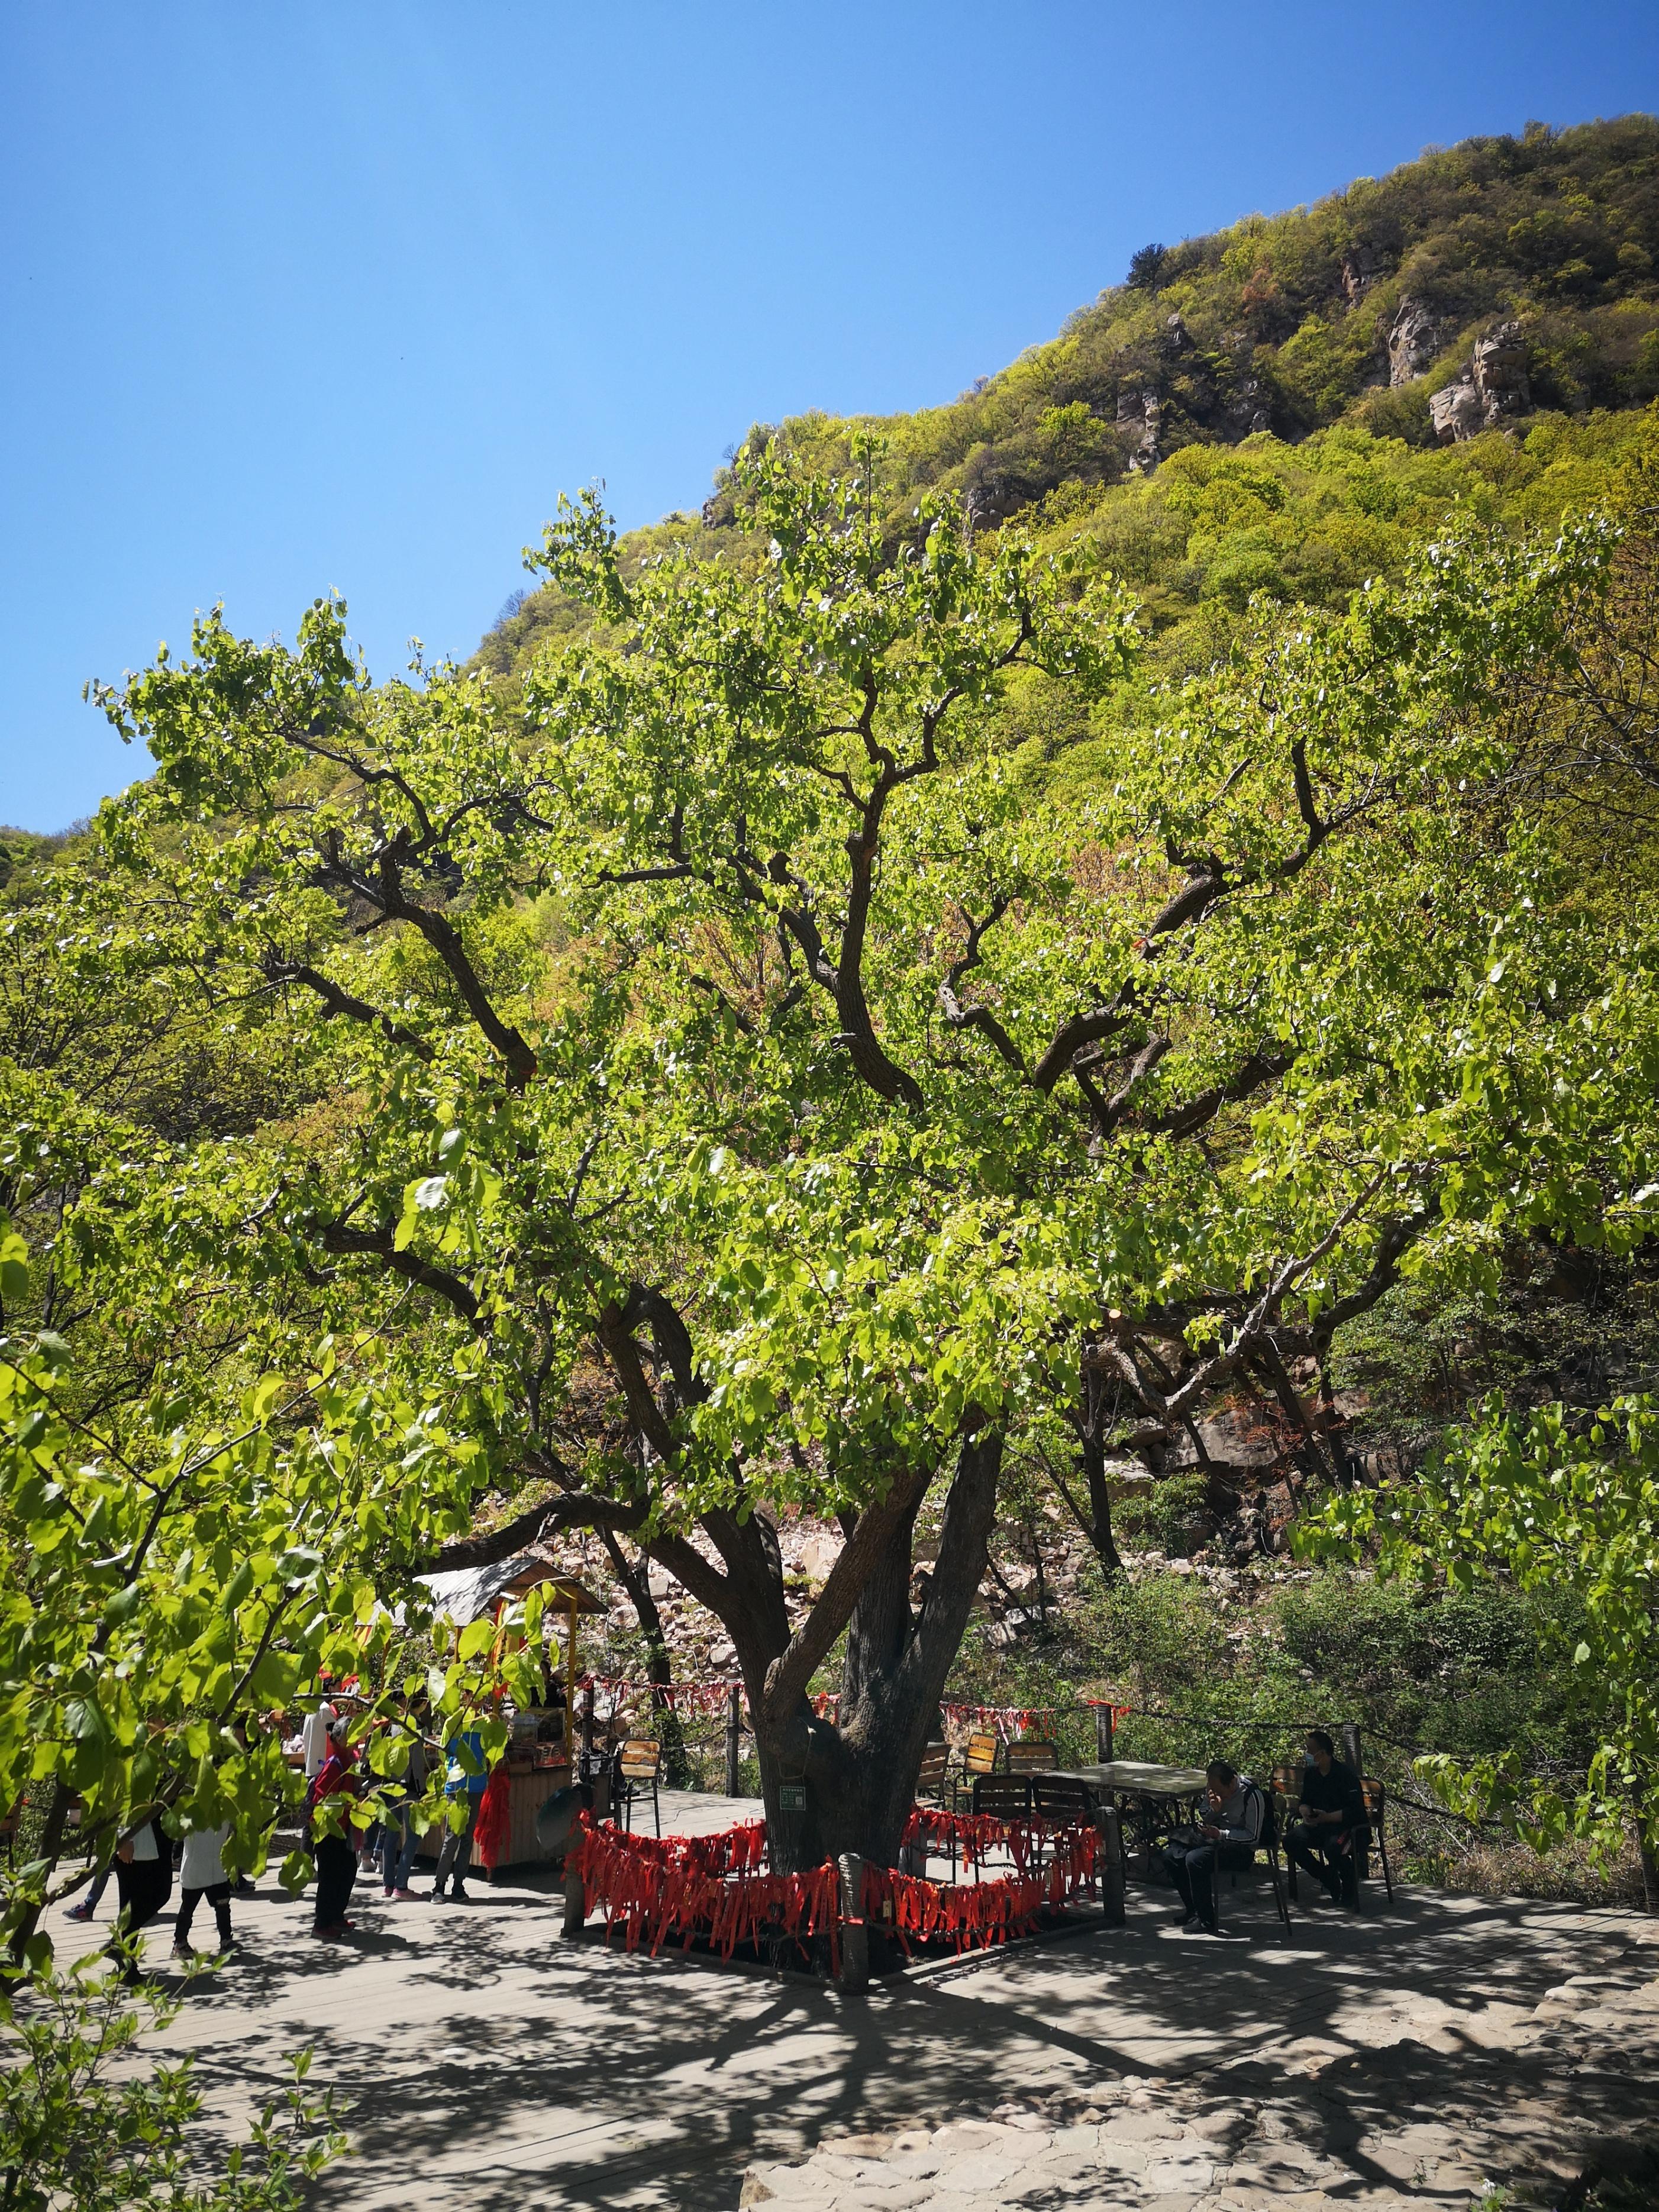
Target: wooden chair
<point x="933" y="1777"/>
<point x="1376" y="1805"/>
<point x="1002" y="1797"/>
<point x="635" y="1769"/>
<point x="1286" y="1795"/>
<point x="935" y="1781"/>
<point x="979" y="1759"/>
<point x="1062" y="1800"/>
<point x="1029" y="1754"/>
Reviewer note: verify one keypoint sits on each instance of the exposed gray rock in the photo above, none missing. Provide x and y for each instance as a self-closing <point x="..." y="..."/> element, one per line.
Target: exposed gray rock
<point x="1177" y="336"/>
<point x="1144" y="409"/>
<point x="1492" y="389"/>
<point x="1361" y="267"/>
<point x="1413" y="341"/>
<point x="1500" y="374"/>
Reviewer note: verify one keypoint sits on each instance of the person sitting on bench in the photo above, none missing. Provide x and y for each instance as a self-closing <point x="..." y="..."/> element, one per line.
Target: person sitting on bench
<point x="1332" y="1808"/>
<point x="1228" y="1839"/>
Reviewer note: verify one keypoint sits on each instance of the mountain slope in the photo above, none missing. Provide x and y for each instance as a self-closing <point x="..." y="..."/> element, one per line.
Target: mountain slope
<point x="1255" y="412"/>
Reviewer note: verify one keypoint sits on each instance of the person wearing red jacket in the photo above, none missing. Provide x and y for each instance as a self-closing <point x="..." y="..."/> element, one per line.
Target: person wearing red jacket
<point x="335" y="1856"/>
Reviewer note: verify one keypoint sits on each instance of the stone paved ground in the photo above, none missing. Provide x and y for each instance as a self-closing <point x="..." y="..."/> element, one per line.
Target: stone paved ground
<point x="1394" y="2060"/>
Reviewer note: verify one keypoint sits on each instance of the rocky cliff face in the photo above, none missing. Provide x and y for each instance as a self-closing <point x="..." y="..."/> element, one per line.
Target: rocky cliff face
<point x="1141" y="415"/>
<point x="1492" y="389"/>
<point x="1413" y="341"/>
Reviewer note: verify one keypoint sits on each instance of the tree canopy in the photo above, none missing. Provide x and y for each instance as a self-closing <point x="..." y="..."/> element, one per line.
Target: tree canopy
<point x="702" y="1081"/>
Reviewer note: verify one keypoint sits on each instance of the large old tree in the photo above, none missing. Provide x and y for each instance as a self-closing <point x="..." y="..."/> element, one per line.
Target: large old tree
<point x="741" y="1095"/>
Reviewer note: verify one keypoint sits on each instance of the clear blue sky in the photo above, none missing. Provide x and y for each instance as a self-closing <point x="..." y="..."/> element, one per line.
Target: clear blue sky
<point x="299" y="296"/>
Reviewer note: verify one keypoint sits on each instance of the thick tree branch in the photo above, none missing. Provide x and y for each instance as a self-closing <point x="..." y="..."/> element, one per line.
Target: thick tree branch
<point x="342" y="1002"/>
<point x="339" y="1238"/>
<point x="788" y="1676"/>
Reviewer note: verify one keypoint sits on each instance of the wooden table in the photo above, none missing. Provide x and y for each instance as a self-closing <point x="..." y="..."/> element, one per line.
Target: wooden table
<point x="1142" y="1789"/>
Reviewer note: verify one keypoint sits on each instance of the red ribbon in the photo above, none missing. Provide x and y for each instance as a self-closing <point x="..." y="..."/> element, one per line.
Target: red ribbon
<point x="1018" y="1720"/>
<point x="494" y="1817"/>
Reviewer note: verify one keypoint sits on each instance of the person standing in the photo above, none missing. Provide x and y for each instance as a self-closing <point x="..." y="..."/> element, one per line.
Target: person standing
<point x="313" y="1738"/>
<point x="398" y="1837"/>
<point x="202" y="1874"/>
<point x="335" y="1856"/>
<point x="466" y="1777"/>
<point x="143" y="1881"/>
<point x="1320" y="1838"/>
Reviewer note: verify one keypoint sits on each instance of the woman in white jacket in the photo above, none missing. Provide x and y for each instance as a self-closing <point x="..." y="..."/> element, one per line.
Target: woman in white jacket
<point x="202" y="1874"/>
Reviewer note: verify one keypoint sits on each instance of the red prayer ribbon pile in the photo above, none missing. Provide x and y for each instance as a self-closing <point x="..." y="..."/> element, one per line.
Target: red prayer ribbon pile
<point x="713" y="1887"/>
<point x="670" y="1886"/>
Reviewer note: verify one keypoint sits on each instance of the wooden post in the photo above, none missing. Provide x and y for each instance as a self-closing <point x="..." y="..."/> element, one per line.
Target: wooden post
<point x="854" y="1936"/>
<point x="1353" y="1759"/>
<point x="570" y="1692"/>
<point x="1108" y="1862"/>
<point x="733" y="1738"/>
<point x="1103" y="1720"/>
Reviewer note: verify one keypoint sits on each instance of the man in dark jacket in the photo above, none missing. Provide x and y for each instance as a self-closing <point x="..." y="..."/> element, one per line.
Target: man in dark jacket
<point x="1320" y="1838"/>
<point x="1228" y="1839"/>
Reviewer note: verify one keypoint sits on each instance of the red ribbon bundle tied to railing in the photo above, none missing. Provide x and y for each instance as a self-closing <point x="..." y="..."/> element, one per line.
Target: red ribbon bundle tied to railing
<point x="678" y="1885"/>
<point x="1008" y="1721"/>
<point x="974" y="1835"/>
<point x="959" y="1913"/>
<point x="684" y="1698"/>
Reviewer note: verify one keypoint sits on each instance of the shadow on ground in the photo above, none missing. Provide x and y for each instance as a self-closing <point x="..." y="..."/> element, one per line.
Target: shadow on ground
<point x="490" y="2063"/>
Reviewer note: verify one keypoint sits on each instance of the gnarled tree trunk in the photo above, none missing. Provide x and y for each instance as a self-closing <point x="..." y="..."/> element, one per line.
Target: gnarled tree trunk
<point x="859" y="1778"/>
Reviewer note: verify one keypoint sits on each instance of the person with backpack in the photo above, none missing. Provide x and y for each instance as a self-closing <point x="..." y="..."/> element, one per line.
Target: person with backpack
<point x="335" y="1856"/>
<point x="1228" y="1840"/>
<point x="1320" y="1839"/>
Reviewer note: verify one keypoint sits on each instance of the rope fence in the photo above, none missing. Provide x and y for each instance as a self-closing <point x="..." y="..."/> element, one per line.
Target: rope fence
<point x="714" y="1757"/>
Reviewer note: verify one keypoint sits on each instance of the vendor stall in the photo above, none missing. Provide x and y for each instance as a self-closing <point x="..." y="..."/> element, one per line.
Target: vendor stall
<point x="543" y="1738"/>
